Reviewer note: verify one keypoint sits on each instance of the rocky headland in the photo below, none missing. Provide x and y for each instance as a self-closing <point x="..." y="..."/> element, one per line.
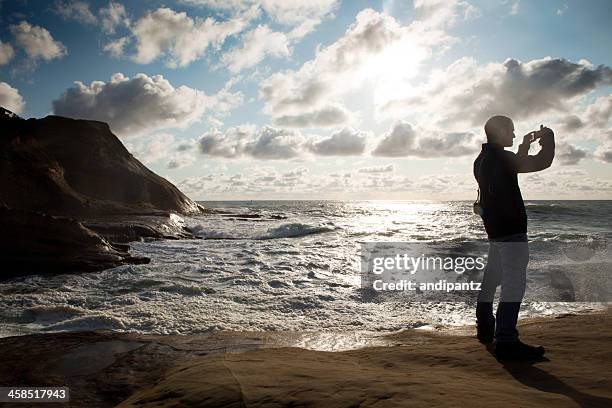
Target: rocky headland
<point x="72" y="196"/>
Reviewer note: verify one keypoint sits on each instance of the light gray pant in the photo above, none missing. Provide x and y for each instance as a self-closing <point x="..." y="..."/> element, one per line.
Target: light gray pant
<point x="506" y="266"/>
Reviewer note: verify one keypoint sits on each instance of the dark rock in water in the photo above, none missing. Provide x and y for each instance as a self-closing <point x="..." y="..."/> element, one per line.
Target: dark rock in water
<point x="136" y="227"/>
<point x="65" y="166"/>
<point x="37" y="243"/>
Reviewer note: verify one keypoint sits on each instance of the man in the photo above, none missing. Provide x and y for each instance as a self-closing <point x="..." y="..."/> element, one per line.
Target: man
<point x="505" y="220"/>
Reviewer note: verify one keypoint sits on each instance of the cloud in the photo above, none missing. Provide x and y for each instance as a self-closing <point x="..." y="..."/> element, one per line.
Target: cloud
<point x="405" y="140"/>
<point x="271" y="143"/>
<point x="562" y="10"/>
<point x="514" y="10"/>
<point x="346" y="142"/>
<point x="115" y="48"/>
<point x="590" y="120"/>
<point x="567" y="154"/>
<point x="295" y="173"/>
<point x="572" y="123"/>
<point x="157" y="147"/>
<point x="598" y="114"/>
<point x="256" y="45"/>
<point x="375" y="48"/>
<point x="466" y="93"/>
<point x="604" y="152"/>
<point x="180" y="161"/>
<point x="178" y="37"/>
<point x="377" y="169"/>
<point x="75" y="10"/>
<point x="10" y="98"/>
<point x="37" y="42"/>
<point x="275" y="144"/>
<point x="139" y="104"/>
<point x="304" y="16"/>
<point x="113" y="16"/>
<point x="330" y="115"/>
<point x="150" y="148"/>
<point x="228" y="144"/>
<point x="397" y="142"/>
<point x="6" y="53"/>
<point x="443" y="13"/>
<point x="266" y="144"/>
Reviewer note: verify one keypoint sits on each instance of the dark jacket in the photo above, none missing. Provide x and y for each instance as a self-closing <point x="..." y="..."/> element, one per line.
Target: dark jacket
<point x="496" y="171"/>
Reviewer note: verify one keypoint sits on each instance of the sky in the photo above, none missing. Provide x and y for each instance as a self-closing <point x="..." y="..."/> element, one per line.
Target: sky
<point x="322" y="99"/>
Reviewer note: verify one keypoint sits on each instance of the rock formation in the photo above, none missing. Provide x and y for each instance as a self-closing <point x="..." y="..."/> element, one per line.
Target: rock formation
<point x="71" y="195"/>
<point x="68" y="167"/>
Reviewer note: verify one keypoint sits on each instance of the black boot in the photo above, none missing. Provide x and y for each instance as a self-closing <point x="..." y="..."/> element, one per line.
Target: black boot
<point x="485" y="322"/>
<point x="518" y="351"/>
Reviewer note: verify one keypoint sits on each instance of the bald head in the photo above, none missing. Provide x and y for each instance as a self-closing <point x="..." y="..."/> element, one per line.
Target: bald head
<point x="500" y="130"/>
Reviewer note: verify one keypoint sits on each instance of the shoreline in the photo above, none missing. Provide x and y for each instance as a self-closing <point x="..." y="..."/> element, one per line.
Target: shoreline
<point x="301" y="338"/>
<point x="418" y="366"/>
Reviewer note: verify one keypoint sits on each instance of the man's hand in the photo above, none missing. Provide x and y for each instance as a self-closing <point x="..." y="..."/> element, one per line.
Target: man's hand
<point x="542" y="133"/>
<point x="528" y="139"/>
<point x="540" y="161"/>
<point x="545" y="134"/>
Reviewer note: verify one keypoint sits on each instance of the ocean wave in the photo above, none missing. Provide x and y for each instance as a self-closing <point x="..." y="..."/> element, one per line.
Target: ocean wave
<point x="294" y="230"/>
<point x="87" y="323"/>
<point x="554" y="208"/>
<point x="52" y="313"/>
<point x="204" y="232"/>
<point x="288" y="230"/>
<point x="187" y="290"/>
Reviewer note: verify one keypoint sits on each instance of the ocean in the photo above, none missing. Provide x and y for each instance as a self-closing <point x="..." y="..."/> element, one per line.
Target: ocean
<point x="295" y="266"/>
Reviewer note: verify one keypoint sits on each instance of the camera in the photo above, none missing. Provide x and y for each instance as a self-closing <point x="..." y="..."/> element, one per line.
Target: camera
<point x="537" y="134"/>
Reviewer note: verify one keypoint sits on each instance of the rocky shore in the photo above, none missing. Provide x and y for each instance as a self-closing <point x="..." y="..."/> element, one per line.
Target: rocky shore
<point x="72" y="196"/>
<point x="411" y="368"/>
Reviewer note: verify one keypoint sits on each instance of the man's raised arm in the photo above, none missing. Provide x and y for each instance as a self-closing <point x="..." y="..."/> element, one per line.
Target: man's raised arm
<point x="540" y="161"/>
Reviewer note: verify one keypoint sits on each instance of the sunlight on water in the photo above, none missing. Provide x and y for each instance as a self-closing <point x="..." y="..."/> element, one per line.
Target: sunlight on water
<point x="284" y="265"/>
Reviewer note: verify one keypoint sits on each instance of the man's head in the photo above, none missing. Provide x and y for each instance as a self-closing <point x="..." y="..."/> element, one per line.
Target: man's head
<point x="500" y="130"/>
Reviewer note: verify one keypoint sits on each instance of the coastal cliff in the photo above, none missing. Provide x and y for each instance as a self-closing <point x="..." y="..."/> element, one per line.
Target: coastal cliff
<point x="65" y="166"/>
<point x="71" y="196"/>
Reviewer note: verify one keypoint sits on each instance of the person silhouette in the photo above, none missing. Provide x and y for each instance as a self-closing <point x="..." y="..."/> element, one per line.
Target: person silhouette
<point x="505" y="220"/>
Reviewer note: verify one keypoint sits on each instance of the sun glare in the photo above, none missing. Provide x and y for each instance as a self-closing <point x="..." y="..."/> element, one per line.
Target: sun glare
<point x="392" y="70"/>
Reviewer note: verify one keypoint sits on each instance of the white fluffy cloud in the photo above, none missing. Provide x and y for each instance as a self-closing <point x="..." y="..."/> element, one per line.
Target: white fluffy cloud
<point x="267" y="144"/>
<point x="6" y="53"/>
<point x="256" y="45"/>
<point x="346" y="142"/>
<point x="37" y="42"/>
<point x="270" y="143"/>
<point x="443" y="13"/>
<point x="177" y="37"/>
<point x="567" y="154"/>
<point x="405" y="140"/>
<point x="604" y="152"/>
<point x="275" y="144"/>
<point x="75" y="10"/>
<point x="109" y="17"/>
<point x="329" y="115"/>
<point x="228" y="144"/>
<point x="389" y="168"/>
<point x="304" y="16"/>
<point x="374" y="48"/>
<point x="599" y="113"/>
<point x="150" y="148"/>
<point x="467" y="93"/>
<point x="139" y="104"/>
<point x="10" y="98"/>
<point x="115" y="48"/>
<point x="113" y="16"/>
